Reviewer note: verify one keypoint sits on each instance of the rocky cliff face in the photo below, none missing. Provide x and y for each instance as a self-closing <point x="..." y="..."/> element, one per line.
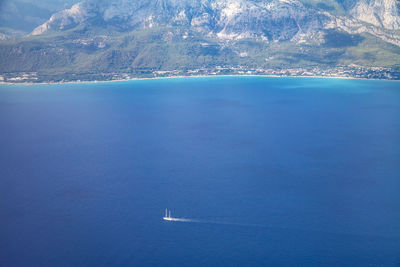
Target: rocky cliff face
<point x="226" y="19"/>
<point x="381" y="13"/>
<point x="77" y="14"/>
<point x="271" y="20"/>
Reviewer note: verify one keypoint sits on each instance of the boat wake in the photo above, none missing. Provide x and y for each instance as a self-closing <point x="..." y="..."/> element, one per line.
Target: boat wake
<point x="168" y="217"/>
<point x="178" y="220"/>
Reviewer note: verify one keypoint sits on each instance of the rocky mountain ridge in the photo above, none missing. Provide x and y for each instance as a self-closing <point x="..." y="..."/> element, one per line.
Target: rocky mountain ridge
<point x="225" y="19"/>
<point x="232" y="19"/>
<point x="381" y="13"/>
<point x="144" y="36"/>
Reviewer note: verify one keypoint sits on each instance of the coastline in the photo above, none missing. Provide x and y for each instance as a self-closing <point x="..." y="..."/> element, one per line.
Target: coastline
<point x="194" y="76"/>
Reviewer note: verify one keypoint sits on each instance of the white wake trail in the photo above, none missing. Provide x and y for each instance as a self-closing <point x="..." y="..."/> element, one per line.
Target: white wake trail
<point x="229" y="223"/>
<point x="171" y="219"/>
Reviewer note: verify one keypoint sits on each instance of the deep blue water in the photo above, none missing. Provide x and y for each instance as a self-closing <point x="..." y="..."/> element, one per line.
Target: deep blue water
<point x="301" y="171"/>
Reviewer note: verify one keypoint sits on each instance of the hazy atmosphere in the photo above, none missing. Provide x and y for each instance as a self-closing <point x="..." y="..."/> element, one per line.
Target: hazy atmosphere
<point x="24" y="15"/>
<point x="200" y="133"/>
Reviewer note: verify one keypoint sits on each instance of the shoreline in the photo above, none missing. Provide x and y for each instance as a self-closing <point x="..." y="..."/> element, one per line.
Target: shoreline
<point x="192" y="76"/>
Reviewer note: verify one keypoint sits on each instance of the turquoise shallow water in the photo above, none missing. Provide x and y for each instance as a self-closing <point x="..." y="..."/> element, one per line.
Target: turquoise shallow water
<point x="275" y="171"/>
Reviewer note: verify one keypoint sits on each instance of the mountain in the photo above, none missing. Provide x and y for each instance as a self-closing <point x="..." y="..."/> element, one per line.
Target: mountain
<point x="19" y="17"/>
<point x="123" y="38"/>
<point x="273" y="20"/>
<point x="382" y="13"/>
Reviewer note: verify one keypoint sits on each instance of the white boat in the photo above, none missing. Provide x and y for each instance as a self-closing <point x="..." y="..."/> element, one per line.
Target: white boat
<point x="167" y="216"/>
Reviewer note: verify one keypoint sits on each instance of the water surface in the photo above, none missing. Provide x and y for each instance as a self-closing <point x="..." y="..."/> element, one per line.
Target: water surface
<point x="300" y="171"/>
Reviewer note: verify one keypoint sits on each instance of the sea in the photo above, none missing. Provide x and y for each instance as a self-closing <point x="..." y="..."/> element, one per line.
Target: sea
<point x="261" y="171"/>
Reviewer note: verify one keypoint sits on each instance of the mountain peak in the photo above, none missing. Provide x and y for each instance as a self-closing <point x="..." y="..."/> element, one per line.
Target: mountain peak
<point x="75" y="15"/>
<point x="141" y="36"/>
<point x="382" y="13"/>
